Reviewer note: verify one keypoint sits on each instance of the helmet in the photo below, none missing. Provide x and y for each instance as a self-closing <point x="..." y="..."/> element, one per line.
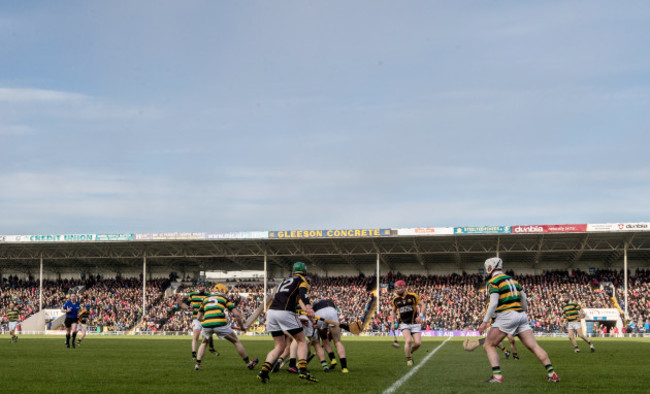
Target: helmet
<point x="400" y="283"/>
<point x="11" y="305"/>
<point x="299" y="267"/>
<point x="220" y="288"/>
<point x="493" y="263"/>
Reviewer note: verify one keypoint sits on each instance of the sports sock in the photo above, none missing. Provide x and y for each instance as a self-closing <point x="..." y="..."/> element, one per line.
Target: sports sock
<point x="496" y="371"/>
<point x="247" y="359"/>
<point x="324" y="364"/>
<point x="67" y="339"/>
<point x="292" y="363"/>
<point x="344" y="362"/>
<point x="266" y="368"/>
<point x="331" y="355"/>
<point x="302" y="366"/>
<point x="549" y="369"/>
<point x="193" y="354"/>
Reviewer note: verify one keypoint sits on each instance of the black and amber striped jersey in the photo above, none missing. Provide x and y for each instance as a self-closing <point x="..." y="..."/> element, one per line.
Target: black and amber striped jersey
<point x="288" y="293"/>
<point x="509" y="291"/>
<point x="13" y="315"/>
<point x="83" y="316"/>
<point x="196" y="299"/>
<point x="571" y="311"/>
<point x="407" y="307"/>
<point x="214" y="308"/>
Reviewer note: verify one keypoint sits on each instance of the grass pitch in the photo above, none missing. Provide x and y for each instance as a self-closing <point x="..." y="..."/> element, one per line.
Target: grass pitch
<point x="163" y="365"/>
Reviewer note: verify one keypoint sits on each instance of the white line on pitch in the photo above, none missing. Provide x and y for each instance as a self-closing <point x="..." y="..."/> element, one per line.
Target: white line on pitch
<point x="406" y="377"/>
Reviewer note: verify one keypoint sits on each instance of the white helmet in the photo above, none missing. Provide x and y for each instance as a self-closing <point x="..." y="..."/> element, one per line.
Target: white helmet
<point x="493" y="263"/>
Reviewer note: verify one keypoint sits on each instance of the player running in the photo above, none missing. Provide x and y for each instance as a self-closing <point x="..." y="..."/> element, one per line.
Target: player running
<point x="212" y="315"/>
<point x="195" y="298"/>
<point x="13" y="315"/>
<point x="411" y="312"/>
<point x="508" y="300"/>
<point x="82" y="325"/>
<point x="572" y="314"/>
<point x="281" y="317"/>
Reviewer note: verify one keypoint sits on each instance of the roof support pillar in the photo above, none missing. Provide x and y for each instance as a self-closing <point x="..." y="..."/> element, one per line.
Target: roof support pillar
<point x="144" y="285"/>
<point x="627" y="316"/>
<point x="378" y="272"/>
<point x="40" y="287"/>
<point x="266" y="278"/>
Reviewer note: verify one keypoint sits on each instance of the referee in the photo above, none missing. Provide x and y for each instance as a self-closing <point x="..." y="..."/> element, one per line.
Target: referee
<point x="71" y="309"/>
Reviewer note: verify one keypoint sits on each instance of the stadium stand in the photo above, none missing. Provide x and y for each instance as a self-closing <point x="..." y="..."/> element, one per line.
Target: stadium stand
<point x="453" y="301"/>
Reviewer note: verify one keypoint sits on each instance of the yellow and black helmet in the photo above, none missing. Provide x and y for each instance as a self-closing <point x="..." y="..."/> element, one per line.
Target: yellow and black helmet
<point x="220" y="288"/>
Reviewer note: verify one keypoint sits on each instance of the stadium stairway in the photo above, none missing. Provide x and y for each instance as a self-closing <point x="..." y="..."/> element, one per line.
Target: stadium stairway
<point x="37" y="322"/>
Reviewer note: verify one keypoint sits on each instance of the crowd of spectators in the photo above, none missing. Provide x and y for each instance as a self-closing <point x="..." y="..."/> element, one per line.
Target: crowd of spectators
<point x="112" y="304"/>
<point x="453" y="302"/>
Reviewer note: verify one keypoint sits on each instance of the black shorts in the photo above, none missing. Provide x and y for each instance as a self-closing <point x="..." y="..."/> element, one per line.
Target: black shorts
<point x="69" y="321"/>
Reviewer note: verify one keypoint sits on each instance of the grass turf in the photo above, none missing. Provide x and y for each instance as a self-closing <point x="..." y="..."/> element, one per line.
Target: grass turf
<point x="164" y="365"/>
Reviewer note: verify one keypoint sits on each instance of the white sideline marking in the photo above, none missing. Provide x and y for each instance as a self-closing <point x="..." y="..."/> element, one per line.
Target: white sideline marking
<point x="406" y="377"/>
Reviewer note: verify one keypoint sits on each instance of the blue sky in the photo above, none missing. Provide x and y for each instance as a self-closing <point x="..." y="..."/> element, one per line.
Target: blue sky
<point x="217" y="116"/>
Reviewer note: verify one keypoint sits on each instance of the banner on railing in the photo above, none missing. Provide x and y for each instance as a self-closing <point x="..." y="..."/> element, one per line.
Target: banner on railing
<point x="615" y="227"/>
<point x="605" y="314"/>
<point x="549" y="228"/>
<point x="357" y="233"/>
<point x="426" y="231"/>
<point x="482" y="230"/>
<point x="67" y="238"/>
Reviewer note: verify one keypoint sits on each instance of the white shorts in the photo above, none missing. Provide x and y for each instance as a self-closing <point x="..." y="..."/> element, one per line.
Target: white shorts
<point x="81" y="327"/>
<point x="414" y="328"/>
<point x="220" y="331"/>
<point x="574" y="325"/>
<point x="512" y="322"/>
<point x="13" y="325"/>
<point x="328" y="313"/>
<point x="196" y="325"/>
<point x="277" y="320"/>
<point x="307" y="327"/>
